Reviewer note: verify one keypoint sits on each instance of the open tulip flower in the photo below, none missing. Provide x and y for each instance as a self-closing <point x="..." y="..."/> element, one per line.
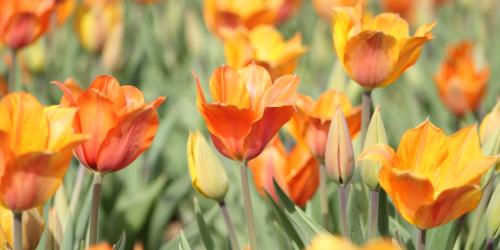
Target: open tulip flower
<point x="460" y="85"/>
<point x="296" y="172"/>
<point x="248" y="109"/>
<point x="36" y="148"/>
<point x="24" y="21"/>
<point x="375" y="51"/>
<point x="222" y="16"/>
<point x="310" y="124"/>
<point x="432" y="178"/>
<point x="265" y="46"/>
<point x="327" y="242"/>
<point x="120" y="124"/>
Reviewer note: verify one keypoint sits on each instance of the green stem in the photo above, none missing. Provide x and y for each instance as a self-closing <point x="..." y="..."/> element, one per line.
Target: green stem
<point x="323" y="196"/>
<point x="12" y="73"/>
<point x="247" y="200"/>
<point x="229" y="225"/>
<point x="18" y="230"/>
<point x="373" y="215"/>
<point x="94" y="213"/>
<point x="421" y="239"/>
<point x="343" y="212"/>
<point x="366" y="110"/>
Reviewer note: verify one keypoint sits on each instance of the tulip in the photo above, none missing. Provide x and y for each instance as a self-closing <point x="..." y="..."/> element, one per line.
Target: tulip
<point x="326" y="242"/>
<point x="248" y="109"/>
<point x="223" y="16"/>
<point x="265" y="46"/>
<point x="96" y="21"/>
<point x="207" y="173"/>
<point x="339" y="154"/>
<point x="443" y="173"/>
<point x="310" y="124"/>
<point x="120" y="124"/>
<point x="24" y="21"/>
<point x="64" y="9"/>
<point x="101" y="246"/>
<point x="33" y="57"/>
<point x="490" y="123"/>
<point x="461" y="86"/>
<point x="324" y="8"/>
<point x="408" y="9"/>
<point x="32" y="227"/>
<point x="375" y="51"/>
<point x="297" y="171"/>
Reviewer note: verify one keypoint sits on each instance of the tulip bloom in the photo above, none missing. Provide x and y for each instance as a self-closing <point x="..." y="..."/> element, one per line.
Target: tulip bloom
<point x="32" y="226"/>
<point x="23" y="22"/>
<point x="36" y="148"/>
<point x="460" y="85"/>
<point x="265" y="46"/>
<point x="207" y="173"/>
<point x="120" y="124"/>
<point x="223" y="16"/>
<point x="248" y="109"/>
<point x="375" y="51"/>
<point x="297" y="171"/>
<point x="326" y="241"/>
<point x="324" y="8"/>
<point x="432" y="178"/>
<point x="310" y="124"/>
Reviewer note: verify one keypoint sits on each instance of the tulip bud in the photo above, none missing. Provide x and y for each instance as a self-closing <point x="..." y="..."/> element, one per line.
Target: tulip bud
<point x="492" y="215"/>
<point x="339" y="155"/>
<point x="207" y="173"/>
<point x="375" y="135"/>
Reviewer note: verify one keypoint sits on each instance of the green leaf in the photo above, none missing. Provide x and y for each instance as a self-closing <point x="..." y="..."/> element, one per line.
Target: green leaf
<point x="356" y="212"/>
<point x="184" y="245"/>
<point x="286" y="224"/>
<point x="120" y="244"/>
<point x="206" y="237"/>
<point x="444" y="237"/>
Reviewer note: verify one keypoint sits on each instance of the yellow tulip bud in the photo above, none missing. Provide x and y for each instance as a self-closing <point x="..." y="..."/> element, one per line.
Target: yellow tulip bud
<point x="32" y="227"/>
<point x="339" y="155"/>
<point x="207" y="173"/>
<point x="33" y="56"/>
<point x="492" y="215"/>
<point x="375" y="135"/>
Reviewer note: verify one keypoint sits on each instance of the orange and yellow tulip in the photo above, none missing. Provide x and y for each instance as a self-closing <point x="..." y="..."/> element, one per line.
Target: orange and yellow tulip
<point x="265" y="46"/>
<point x="311" y="122"/>
<point x="222" y="16"/>
<point x="375" y="51"/>
<point x="443" y="173"/>
<point x="36" y="149"/>
<point x="324" y="8"/>
<point x="24" y="21"/>
<point x="120" y="124"/>
<point x="248" y="109"/>
<point x="327" y="242"/>
<point x="32" y="227"/>
<point x="297" y="171"/>
<point x="461" y="86"/>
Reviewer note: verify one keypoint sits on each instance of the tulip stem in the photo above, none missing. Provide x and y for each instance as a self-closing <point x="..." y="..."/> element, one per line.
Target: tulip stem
<point x="322" y="195"/>
<point x="343" y="211"/>
<point x="18" y="230"/>
<point x="366" y="110"/>
<point x="373" y="216"/>
<point x="247" y="200"/>
<point x="12" y="85"/>
<point x="75" y="195"/>
<point x="229" y="225"/>
<point x="421" y="239"/>
<point x="94" y="213"/>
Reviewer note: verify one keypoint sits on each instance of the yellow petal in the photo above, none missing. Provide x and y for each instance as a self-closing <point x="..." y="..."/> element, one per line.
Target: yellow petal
<point x="227" y="87"/>
<point x="391" y="24"/>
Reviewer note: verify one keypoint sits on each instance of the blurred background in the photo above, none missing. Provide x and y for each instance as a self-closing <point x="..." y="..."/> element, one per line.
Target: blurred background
<point x="156" y="45"/>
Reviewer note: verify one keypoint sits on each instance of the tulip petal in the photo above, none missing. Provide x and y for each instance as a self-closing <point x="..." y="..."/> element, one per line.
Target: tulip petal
<point x="370" y="57"/>
<point x="71" y="91"/>
<point x="391" y="24"/>
<point x="227" y="87"/>
<point x="379" y="153"/>
<point x="282" y="92"/>
<point x="326" y="103"/>
<point x="60" y="121"/>
<point x="110" y="88"/>
<point x="302" y="175"/>
<point x="353" y="119"/>
<point x="133" y="134"/>
<point x="257" y="81"/>
<point x="343" y="22"/>
<point x="133" y="96"/>
<point x="450" y="205"/>
<point x="22" y="29"/>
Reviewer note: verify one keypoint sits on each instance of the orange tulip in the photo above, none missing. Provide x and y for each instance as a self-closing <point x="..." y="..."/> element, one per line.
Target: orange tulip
<point x="375" y="51"/>
<point x="327" y="242"/>
<point x="101" y="246"/>
<point x="222" y="16"/>
<point x="432" y="178"/>
<point x="248" y="109"/>
<point x="460" y="85"/>
<point x="36" y="149"/>
<point x="324" y="8"/>
<point x="24" y="21"/>
<point x="64" y="9"/>
<point x="406" y="8"/>
<point x="265" y="46"/>
<point x="120" y="124"/>
<point x="311" y="123"/>
<point x="297" y="172"/>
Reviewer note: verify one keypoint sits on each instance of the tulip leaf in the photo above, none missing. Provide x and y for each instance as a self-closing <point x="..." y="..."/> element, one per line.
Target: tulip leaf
<point x="184" y="245"/>
<point x="401" y="234"/>
<point x="206" y="238"/>
<point x="356" y="212"/>
<point x="444" y="237"/>
<point x="120" y="244"/>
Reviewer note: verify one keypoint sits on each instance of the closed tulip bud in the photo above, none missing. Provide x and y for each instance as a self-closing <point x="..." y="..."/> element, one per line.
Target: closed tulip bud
<point x="375" y="135"/>
<point x="207" y="173"/>
<point x="492" y="215"/>
<point x="339" y="155"/>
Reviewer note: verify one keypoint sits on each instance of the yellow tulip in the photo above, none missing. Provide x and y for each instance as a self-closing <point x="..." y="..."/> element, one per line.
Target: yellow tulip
<point x="432" y="178"/>
<point x="207" y="173"/>
<point x="328" y="242"/>
<point x="32" y="223"/>
<point x="375" y="51"/>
